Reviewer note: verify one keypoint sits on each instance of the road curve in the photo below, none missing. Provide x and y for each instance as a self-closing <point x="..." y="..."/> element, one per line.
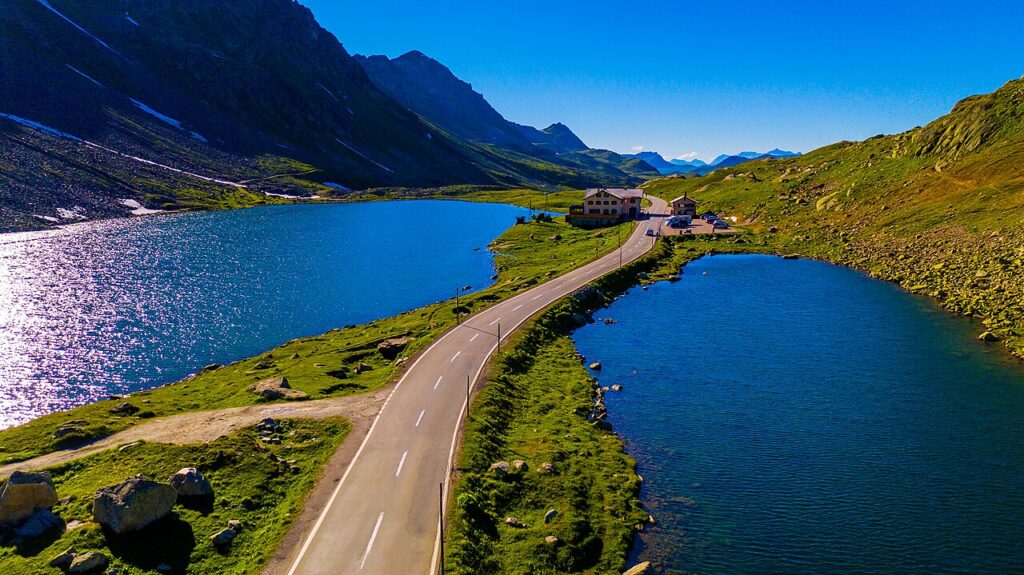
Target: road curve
<point x="383" y="515"/>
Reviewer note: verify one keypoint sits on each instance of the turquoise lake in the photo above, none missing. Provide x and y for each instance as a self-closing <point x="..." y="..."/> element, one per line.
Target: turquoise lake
<point x="121" y="305"/>
<point x="794" y="417"/>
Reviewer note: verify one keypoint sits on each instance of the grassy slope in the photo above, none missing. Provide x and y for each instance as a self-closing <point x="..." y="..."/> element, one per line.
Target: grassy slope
<point x="252" y="482"/>
<point x="528" y="254"/>
<point x="938" y="209"/>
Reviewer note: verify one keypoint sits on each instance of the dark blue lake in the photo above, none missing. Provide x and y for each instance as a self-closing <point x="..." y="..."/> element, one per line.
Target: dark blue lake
<point x="795" y="417"/>
<point x="121" y="305"/>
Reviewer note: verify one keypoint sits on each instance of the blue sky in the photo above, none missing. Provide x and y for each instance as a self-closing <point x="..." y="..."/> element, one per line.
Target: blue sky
<point x="704" y="77"/>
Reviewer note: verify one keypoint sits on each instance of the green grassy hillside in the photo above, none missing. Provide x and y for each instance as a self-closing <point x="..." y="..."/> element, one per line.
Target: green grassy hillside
<point x="938" y="209"/>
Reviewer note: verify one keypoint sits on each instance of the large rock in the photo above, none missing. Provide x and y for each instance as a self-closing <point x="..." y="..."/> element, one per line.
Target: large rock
<point x="189" y="482"/>
<point x="639" y="569"/>
<point x="42" y="522"/>
<point x="390" y="348"/>
<point x="224" y="537"/>
<point x="90" y="562"/>
<point x="132" y="505"/>
<point x="24" y="494"/>
<point x="276" y="388"/>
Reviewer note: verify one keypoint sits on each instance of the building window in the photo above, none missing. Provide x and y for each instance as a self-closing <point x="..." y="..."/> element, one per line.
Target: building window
<point x="614" y="211"/>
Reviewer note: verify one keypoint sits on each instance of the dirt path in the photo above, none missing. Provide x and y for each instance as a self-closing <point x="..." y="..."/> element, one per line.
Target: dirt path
<point x="205" y="426"/>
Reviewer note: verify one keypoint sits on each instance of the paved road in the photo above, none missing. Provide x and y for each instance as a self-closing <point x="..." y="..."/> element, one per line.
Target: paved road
<point x="383" y="515"/>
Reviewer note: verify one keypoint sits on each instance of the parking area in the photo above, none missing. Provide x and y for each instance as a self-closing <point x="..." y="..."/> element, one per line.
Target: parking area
<point x="697" y="226"/>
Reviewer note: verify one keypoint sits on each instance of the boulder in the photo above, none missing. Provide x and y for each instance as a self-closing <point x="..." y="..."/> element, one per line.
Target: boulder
<point x="596" y="366"/>
<point x="189" y="482"/>
<point x="602" y="425"/>
<point x="263" y="364"/>
<point x="88" y="562"/>
<point x="235" y="525"/>
<point x="639" y="569"/>
<point x="125" y="409"/>
<point x="66" y="430"/>
<point x="551" y="540"/>
<point x="550" y="515"/>
<point x="24" y="494"/>
<point x="223" y="537"/>
<point x="988" y="336"/>
<point x="390" y="348"/>
<point x="520" y="465"/>
<point x="276" y="388"/>
<point x="616" y="387"/>
<point x="513" y="522"/>
<point x="547" y="467"/>
<point x="500" y="468"/>
<point x="63" y="561"/>
<point x="133" y="504"/>
<point x="42" y="522"/>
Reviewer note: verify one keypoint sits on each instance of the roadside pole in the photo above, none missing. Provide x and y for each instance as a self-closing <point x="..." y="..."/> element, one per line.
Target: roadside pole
<point x="497" y="349"/>
<point x="458" y="314"/>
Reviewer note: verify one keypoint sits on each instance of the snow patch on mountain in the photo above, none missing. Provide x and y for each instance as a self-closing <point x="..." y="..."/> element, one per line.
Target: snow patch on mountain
<point x="50" y="7"/>
<point x="84" y="75"/>
<point x="38" y="126"/>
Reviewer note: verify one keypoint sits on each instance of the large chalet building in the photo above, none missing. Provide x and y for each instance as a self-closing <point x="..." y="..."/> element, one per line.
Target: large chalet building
<point x="605" y="206"/>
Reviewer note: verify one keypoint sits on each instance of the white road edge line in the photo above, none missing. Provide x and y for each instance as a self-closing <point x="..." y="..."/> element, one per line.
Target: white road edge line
<point x="457" y="354"/>
<point x="369" y="545"/>
<point x="438" y="382"/>
<point x="401" y="462"/>
<point x="420" y="418"/>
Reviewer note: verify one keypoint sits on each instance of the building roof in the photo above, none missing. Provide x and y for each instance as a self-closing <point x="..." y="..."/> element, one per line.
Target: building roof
<point x="684" y="197"/>
<point x="621" y="193"/>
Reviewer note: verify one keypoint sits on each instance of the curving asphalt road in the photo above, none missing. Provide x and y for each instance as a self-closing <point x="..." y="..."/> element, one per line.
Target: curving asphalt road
<point x="383" y="515"/>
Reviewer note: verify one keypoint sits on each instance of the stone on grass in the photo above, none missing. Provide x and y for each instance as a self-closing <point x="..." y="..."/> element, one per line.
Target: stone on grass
<point x="42" y="522"/>
<point x="551" y="540"/>
<point x="390" y="348"/>
<point x="520" y="465"/>
<point x="224" y="537"/>
<point x="500" y="468"/>
<point x="133" y="504"/>
<point x="63" y="561"/>
<point x="276" y="388"/>
<point x="88" y="562"/>
<point x="550" y="515"/>
<point x="546" y="467"/>
<point x="189" y="482"/>
<point x="24" y="494"/>
<point x="235" y="525"/>
<point x="639" y="569"/>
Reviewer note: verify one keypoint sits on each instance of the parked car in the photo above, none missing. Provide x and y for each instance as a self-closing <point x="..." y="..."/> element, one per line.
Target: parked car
<point x="720" y="224"/>
<point x="650" y="231"/>
<point x="707" y="216"/>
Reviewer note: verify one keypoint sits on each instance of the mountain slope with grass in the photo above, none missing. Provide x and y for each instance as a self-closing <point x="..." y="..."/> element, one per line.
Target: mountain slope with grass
<point x="111" y="107"/>
<point x="938" y="209"/>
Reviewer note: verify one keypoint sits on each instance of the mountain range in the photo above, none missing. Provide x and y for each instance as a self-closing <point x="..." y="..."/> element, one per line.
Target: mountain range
<point x="699" y="167"/>
<point x="109" y="107"/>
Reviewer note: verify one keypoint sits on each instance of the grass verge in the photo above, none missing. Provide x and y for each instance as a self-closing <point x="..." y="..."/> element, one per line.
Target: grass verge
<point x="261" y="484"/>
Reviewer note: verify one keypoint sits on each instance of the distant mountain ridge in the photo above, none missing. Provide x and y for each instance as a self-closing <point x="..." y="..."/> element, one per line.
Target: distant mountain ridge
<point x="428" y="88"/>
<point x="698" y="167"/>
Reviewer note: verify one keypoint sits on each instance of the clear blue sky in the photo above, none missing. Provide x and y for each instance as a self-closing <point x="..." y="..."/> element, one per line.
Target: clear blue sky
<point x="705" y="76"/>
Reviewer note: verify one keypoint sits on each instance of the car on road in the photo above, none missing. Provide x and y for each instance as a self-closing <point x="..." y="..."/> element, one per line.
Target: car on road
<point x="650" y="231"/>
